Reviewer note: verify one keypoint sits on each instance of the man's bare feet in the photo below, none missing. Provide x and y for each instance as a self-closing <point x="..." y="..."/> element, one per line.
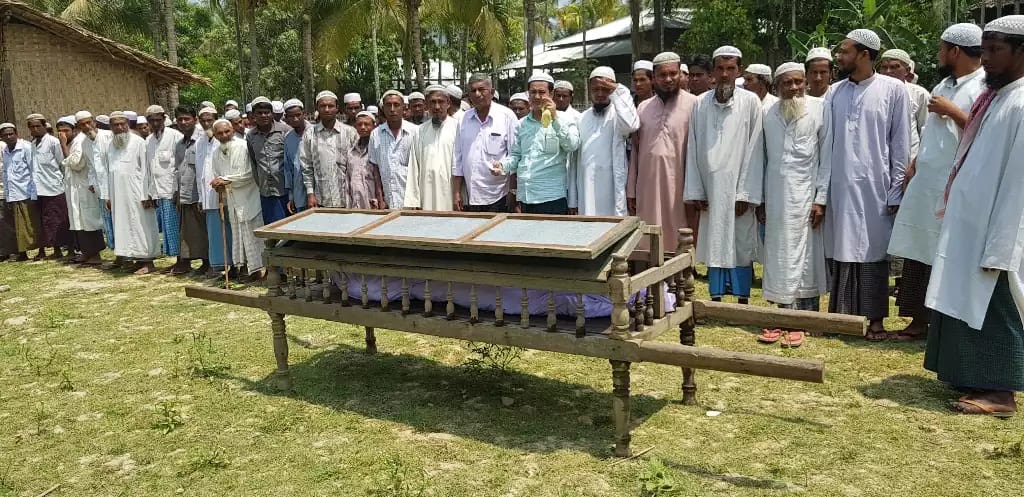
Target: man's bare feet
<point x="146" y="268"/>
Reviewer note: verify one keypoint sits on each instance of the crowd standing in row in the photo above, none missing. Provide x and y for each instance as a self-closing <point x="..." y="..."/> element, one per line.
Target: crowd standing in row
<point x="821" y="182"/>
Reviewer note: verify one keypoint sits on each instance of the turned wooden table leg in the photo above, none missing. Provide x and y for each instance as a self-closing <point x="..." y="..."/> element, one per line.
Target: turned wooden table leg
<point x="688" y="337"/>
<point x="620" y="407"/>
<point x="277" y="326"/>
<point x="687" y="330"/>
<point x="371" y="341"/>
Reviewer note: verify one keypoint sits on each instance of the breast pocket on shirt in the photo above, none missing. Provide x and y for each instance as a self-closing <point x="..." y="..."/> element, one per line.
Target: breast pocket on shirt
<point x="549" y="141"/>
<point x="803" y="147"/>
<point x="165" y="158"/>
<point x="494" y="145"/>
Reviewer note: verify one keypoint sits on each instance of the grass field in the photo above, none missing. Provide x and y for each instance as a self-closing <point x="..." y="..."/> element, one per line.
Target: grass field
<point x="115" y="385"/>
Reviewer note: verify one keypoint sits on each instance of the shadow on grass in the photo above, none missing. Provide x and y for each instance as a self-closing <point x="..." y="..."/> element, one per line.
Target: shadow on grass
<point x="734" y="479"/>
<point x="911" y="391"/>
<point x="430" y="397"/>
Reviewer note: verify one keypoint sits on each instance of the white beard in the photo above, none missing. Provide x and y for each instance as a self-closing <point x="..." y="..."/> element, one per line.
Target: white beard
<point x="92" y="133"/>
<point x="209" y="133"/>
<point x="724" y="92"/>
<point x="120" y="140"/>
<point x="793" y="108"/>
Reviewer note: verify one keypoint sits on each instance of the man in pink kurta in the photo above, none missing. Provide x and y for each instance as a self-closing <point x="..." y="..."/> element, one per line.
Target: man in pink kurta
<point x="654" y="189"/>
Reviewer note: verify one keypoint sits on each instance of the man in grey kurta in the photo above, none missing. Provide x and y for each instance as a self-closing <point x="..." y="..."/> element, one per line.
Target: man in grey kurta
<point x="869" y="133"/>
<point x="323" y="156"/>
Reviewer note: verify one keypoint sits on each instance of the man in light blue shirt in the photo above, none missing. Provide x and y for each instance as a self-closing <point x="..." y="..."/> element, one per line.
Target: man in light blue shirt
<point x="294" y="116"/>
<point x="539" y="152"/>
<point x="19" y="189"/>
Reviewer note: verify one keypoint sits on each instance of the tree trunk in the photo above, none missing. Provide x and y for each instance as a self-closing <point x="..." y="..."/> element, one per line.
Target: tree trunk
<point x="413" y="25"/>
<point x="156" y="27"/>
<point x="172" y="50"/>
<point x="634" y="33"/>
<point x="530" y="12"/>
<point x="241" y="56"/>
<point x="462" y="59"/>
<point x="376" y="61"/>
<point x="307" y="59"/>
<point x="659" y="24"/>
<point x="254" y="52"/>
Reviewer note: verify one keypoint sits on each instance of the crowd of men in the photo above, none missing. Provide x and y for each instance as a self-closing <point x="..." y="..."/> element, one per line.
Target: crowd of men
<point x="821" y="182"/>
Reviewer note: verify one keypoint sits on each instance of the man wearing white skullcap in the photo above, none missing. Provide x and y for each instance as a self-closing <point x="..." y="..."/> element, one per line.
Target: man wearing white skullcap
<point x="485" y="134"/>
<point x="429" y="180"/>
<point x="916" y="230"/>
<point x="362" y="178"/>
<point x="520" y="104"/>
<point x="160" y="147"/>
<point x="323" y="156"/>
<point x="455" y="102"/>
<point x="597" y="175"/>
<point x="18" y="196"/>
<point x="233" y="179"/>
<point x="563" y="95"/>
<point x="896" y="63"/>
<point x="277" y="107"/>
<point x="353" y="105"/>
<point x="795" y="190"/>
<point x="266" y="148"/>
<point x="975" y="337"/>
<point x="103" y="121"/>
<point x="295" y="118"/>
<point x="230" y="105"/>
<point x="545" y="139"/>
<point x="49" y="181"/>
<point x="85" y="212"/>
<point x="643" y="78"/>
<point x="218" y="234"/>
<point x="194" y="244"/>
<point x="818" y="65"/>
<point x="758" y="79"/>
<point x="870" y="126"/>
<point x="141" y="127"/>
<point x="417" y="108"/>
<point x="130" y="194"/>
<point x="234" y="117"/>
<point x="389" y="151"/>
<point x="654" y="191"/>
<point x="724" y="172"/>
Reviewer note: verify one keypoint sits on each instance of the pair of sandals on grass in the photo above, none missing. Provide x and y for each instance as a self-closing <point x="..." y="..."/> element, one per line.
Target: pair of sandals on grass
<point x="790" y="339"/>
<point x="1000" y="405"/>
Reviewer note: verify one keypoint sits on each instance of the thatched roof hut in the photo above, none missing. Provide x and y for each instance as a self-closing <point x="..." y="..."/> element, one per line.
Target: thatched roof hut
<point x="53" y="67"/>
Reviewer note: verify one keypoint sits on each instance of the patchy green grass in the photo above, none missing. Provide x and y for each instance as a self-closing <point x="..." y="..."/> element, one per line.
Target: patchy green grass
<point x="117" y="385"/>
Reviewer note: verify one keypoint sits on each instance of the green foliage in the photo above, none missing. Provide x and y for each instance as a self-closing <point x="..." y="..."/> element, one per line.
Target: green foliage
<point x="1013" y="450"/>
<point x="201" y="359"/>
<point x="398" y="480"/>
<point x="656" y="481"/>
<point x="488" y="356"/>
<point x="168" y="417"/>
<point x="716" y="23"/>
<point x="205" y="461"/>
<point x="355" y="73"/>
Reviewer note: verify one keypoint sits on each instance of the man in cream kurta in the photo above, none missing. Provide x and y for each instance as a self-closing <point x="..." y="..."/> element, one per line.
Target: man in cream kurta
<point x="130" y="189"/>
<point x="233" y="174"/>
<point x="724" y="177"/>
<point x="429" y="183"/>
<point x="915" y="233"/>
<point x="84" y="211"/>
<point x="597" y="176"/>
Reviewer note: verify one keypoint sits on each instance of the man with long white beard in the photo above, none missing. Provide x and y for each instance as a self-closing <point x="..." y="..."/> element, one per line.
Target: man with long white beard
<point x="218" y="227"/>
<point x="724" y="170"/>
<point x="131" y="188"/>
<point x="429" y="183"/>
<point x="597" y="176"/>
<point x="84" y="210"/>
<point x="233" y="177"/>
<point x="795" y="195"/>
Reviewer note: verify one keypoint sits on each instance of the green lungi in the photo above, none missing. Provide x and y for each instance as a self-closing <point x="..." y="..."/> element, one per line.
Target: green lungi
<point x="989" y="359"/>
<point x="27" y="224"/>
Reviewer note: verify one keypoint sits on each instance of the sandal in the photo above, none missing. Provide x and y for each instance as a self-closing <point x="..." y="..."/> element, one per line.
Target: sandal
<point x="793" y="339"/>
<point x="967" y="405"/>
<point x="769" y="337"/>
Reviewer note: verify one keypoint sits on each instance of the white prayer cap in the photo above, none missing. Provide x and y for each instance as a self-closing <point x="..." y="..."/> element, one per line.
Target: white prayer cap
<point x="390" y="93"/>
<point x="760" y="69"/>
<point x="366" y="113"/>
<point x="643" y="64"/>
<point x="167" y="121"/>
<point x="405" y="99"/>
<point x="665" y="58"/>
<point x="965" y="34"/>
<point x="259" y="100"/>
<point x="277" y="107"/>
<point x="683" y="68"/>
<point x="435" y="88"/>
<point x="351" y="97"/>
<point x="206" y="103"/>
<point x="865" y="37"/>
<point x="1010" y="25"/>
<point x="416" y="96"/>
<point x="326" y="94"/>
<point x="372" y="109"/>
<point x="248" y="108"/>
<point x="82" y="115"/>
<point x="35" y="117"/>
<point x="741" y="83"/>
<point x="563" y="85"/>
<point x="7" y="126"/>
<point x="519" y="96"/>
<point x="68" y="120"/>
<point x="496" y="97"/>
<point x="603" y="72"/>
<point x="231" y="102"/>
<point x="103" y="119"/>
<point x="819" y="53"/>
<point x="142" y="120"/>
<point x="900" y="55"/>
<point x="454" y="92"/>
<point x="118" y="115"/>
<point x="222" y="121"/>
<point x="727" y="51"/>
<point x="541" y="76"/>
<point x="293" y="103"/>
<point x="207" y="110"/>
<point x="154" y="109"/>
<point x="132" y="115"/>
<point x="232" y="114"/>
<point x="789" y="67"/>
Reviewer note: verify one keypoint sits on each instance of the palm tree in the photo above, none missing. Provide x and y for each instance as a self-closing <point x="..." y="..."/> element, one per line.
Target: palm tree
<point x="530" y="14"/>
<point x="248" y="12"/>
<point x="172" y="49"/>
<point x="634" y="23"/>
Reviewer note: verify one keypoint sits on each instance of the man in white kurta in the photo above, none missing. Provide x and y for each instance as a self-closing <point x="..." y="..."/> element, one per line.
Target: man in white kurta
<point x="429" y="184"/>
<point x="898" y="64"/>
<point x="795" y="195"/>
<point x="233" y="174"/>
<point x="976" y="337"/>
<point x="597" y="176"/>
<point x="869" y="132"/>
<point x="84" y="210"/>
<point x="758" y="79"/>
<point x="160" y="146"/>
<point x="130" y="189"/>
<point x="724" y="177"/>
<point x="915" y="233"/>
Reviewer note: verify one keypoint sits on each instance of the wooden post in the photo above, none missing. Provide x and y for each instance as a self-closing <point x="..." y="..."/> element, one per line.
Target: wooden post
<point x="620" y="407"/>
<point x="385" y="299"/>
<point x="581" y="321"/>
<point x="618" y="286"/>
<point x="405" y="297"/>
<point x="640" y="306"/>
<point x="687" y="329"/>
<point x="474" y="309"/>
<point x="428" y="303"/>
<point x="450" y="306"/>
<point x="524" y="310"/>
<point x="371" y="341"/>
<point x="552" y="319"/>
<point x="499" y="308"/>
<point x="278" y="331"/>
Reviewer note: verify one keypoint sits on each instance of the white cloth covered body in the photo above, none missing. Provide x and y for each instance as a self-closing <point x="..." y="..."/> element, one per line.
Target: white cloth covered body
<point x="205" y="151"/>
<point x="769" y="100"/>
<point x="129" y="183"/>
<point x="233" y="163"/>
<point x="794" y="180"/>
<point x="160" y="154"/>
<point x="915" y="233"/>
<point x="919" y="97"/>
<point x="983" y="225"/>
<point x="83" y="207"/>
<point x="597" y="176"/>
<point x="429" y="184"/>
<point x="869" y="132"/>
<point x="722" y="168"/>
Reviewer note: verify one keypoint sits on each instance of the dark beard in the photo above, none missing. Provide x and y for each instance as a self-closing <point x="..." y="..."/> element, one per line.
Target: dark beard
<point x="842" y="74"/>
<point x="665" y="95"/>
<point x="944" y="71"/>
<point x="600" y="108"/>
<point x="995" y="81"/>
